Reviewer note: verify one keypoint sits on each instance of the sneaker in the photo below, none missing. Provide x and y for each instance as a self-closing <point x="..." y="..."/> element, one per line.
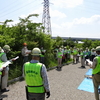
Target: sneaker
<point x="83" y="66"/>
<point x="87" y="76"/>
<point x="99" y="90"/>
<point x="4" y="90"/>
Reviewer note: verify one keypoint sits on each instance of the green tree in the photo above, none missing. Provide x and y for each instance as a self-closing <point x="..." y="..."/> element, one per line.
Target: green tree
<point x="69" y="43"/>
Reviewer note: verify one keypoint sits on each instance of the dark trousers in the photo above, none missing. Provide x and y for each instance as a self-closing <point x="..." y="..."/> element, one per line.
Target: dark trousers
<point x="96" y="82"/>
<point x="25" y="59"/>
<point x="42" y="60"/>
<point x="92" y="57"/>
<point x="36" y="96"/>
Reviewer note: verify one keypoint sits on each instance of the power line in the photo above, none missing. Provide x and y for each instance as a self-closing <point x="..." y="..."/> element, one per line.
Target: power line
<point x="7" y="6"/>
<point x="92" y="2"/>
<point x="21" y="12"/>
<point x="16" y="9"/>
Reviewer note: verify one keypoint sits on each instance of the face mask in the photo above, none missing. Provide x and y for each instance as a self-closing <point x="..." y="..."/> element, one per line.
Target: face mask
<point x="25" y="47"/>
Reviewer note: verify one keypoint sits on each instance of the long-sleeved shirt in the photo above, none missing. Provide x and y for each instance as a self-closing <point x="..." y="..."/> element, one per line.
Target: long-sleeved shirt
<point x="25" y="51"/>
<point x="43" y="74"/>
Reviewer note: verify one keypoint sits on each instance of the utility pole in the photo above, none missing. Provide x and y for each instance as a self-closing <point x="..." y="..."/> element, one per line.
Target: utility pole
<point x="46" y="18"/>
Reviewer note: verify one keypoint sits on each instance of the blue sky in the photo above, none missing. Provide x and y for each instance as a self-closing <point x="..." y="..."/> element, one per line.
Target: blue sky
<point x="69" y="18"/>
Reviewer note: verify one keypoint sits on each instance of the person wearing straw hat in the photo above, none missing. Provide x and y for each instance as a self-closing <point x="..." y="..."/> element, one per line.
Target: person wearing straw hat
<point x="59" y="58"/>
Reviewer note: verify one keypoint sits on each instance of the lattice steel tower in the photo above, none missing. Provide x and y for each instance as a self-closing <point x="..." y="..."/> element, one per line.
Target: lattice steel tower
<point x="46" y="18"/>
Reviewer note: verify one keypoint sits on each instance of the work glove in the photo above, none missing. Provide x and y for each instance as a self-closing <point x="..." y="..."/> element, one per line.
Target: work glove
<point x="47" y="94"/>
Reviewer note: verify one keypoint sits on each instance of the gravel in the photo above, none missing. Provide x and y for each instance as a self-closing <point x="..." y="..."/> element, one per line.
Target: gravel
<point x="63" y="85"/>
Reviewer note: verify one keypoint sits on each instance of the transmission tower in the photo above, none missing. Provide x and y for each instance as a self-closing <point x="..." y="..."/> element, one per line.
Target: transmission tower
<point x="46" y="18"/>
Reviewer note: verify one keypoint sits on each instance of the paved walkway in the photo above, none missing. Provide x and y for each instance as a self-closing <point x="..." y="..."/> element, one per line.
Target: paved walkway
<point x="63" y="85"/>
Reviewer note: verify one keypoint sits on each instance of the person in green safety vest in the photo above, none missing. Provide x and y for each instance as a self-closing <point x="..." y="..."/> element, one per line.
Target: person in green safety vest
<point x="1" y="68"/>
<point x="82" y="55"/>
<point x="64" y="58"/>
<point x="36" y="78"/>
<point x="96" y="72"/>
<point x="78" y="55"/>
<point x="59" y="58"/>
<point x="75" y="52"/>
<point x="4" y="78"/>
<point x="42" y="59"/>
<point x="69" y="53"/>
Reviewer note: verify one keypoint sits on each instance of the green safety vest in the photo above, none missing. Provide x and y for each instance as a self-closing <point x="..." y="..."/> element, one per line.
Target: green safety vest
<point x="75" y="52"/>
<point x="33" y="77"/>
<point x="1" y="56"/>
<point x="97" y="68"/>
<point x="86" y="53"/>
<point x="0" y="67"/>
<point x="42" y="55"/>
<point x="1" y="62"/>
<point x="65" y="51"/>
<point x="82" y="54"/>
<point x="69" y="51"/>
<point x="59" y="54"/>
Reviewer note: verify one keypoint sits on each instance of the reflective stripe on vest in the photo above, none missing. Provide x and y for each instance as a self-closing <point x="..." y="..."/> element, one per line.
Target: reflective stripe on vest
<point x="97" y="68"/>
<point x="33" y="77"/>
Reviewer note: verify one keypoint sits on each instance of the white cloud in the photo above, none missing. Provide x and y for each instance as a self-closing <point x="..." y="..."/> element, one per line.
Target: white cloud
<point x="78" y="27"/>
<point x="92" y="20"/>
<point x="67" y="3"/>
<point x="56" y="13"/>
<point x="82" y="21"/>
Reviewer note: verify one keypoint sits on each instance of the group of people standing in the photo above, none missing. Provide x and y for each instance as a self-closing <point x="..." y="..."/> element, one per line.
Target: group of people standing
<point x="96" y="72"/>
<point x="35" y="73"/>
<point x="93" y="61"/>
<point x="87" y="54"/>
<point x="26" y="52"/>
<point x="32" y="70"/>
<point x="64" y="54"/>
<point x="92" y="55"/>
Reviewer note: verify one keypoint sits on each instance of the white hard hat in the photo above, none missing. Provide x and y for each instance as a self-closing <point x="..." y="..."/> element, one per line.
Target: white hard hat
<point x="36" y="52"/>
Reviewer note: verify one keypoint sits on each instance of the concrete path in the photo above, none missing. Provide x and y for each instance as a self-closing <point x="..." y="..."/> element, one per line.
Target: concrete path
<point x="63" y="85"/>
